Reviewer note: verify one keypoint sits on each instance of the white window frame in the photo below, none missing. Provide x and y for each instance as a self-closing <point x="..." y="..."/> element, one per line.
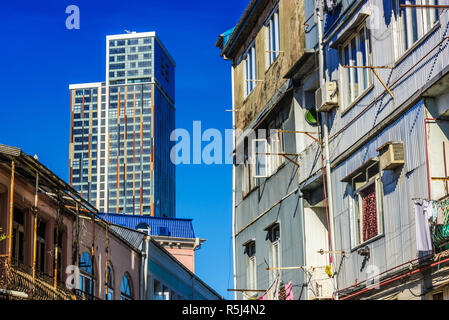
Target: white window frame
<point x="275" y="253"/>
<point x="247" y="178"/>
<point x="276" y="147"/>
<point x="348" y="75"/>
<point x="260" y="156"/>
<point x="272" y="38"/>
<point x="419" y="17"/>
<point x="251" y="267"/>
<point x="357" y="205"/>
<point x="250" y="66"/>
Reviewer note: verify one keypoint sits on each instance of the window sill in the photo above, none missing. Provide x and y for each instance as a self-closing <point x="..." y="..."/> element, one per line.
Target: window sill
<point x="364" y="244"/>
<point x="249" y="95"/>
<point x="273" y="63"/>
<point x="416" y="44"/>
<point x="352" y="104"/>
<point x="246" y="195"/>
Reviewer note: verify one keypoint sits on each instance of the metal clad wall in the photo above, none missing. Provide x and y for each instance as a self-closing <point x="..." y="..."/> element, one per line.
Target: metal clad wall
<point x="398" y="244"/>
<point x="383" y="54"/>
<point x="289" y="215"/>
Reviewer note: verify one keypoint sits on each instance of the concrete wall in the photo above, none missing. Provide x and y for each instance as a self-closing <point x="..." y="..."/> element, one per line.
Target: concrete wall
<point x="292" y="43"/>
<point x="123" y="259"/>
<point x="24" y="200"/>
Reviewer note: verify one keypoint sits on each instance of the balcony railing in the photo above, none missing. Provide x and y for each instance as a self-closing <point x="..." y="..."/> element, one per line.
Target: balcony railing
<point x="18" y="277"/>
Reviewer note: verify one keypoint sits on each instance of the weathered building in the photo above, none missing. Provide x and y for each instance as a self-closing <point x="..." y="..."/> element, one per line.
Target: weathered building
<point x="58" y="246"/>
<point x="273" y="50"/>
<point x="346" y="202"/>
<point x="51" y="235"/>
<point x="388" y="135"/>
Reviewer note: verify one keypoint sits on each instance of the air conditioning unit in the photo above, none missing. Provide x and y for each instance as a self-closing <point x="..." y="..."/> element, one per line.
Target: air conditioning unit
<point x="330" y="97"/>
<point x="391" y="155"/>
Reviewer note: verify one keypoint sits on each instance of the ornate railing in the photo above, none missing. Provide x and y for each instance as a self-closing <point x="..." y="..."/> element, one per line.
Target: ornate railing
<point x="82" y="295"/>
<point x="18" y="278"/>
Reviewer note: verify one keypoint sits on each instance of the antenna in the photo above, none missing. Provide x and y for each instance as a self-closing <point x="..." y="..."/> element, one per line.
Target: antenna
<point x="128" y="32"/>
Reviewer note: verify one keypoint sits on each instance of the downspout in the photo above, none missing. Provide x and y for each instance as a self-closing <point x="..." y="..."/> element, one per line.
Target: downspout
<point x="233" y="186"/>
<point x="325" y="125"/>
<point x="144" y="269"/>
<point x="304" y="257"/>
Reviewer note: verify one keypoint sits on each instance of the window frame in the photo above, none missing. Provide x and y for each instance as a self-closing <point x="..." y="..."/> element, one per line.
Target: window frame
<point x="275" y="250"/>
<point x="347" y="75"/>
<point x="251" y="265"/>
<point x="109" y="284"/>
<point x="356" y="207"/>
<point x="124" y="295"/>
<point x="401" y="46"/>
<point x="250" y="69"/>
<point x="84" y="275"/>
<point x="272" y="38"/>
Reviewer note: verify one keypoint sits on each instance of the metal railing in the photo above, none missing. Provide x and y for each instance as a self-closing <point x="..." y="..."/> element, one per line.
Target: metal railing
<point x="17" y="277"/>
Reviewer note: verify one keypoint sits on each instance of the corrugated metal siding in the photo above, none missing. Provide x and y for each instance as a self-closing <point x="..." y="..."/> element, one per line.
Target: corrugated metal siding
<point x="178" y="228"/>
<point x="398" y="244"/>
<point x="383" y="54"/>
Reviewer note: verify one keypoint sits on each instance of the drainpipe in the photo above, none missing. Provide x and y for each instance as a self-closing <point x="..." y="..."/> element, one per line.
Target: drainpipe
<point x="144" y="269"/>
<point x="233" y="187"/>
<point x="325" y="122"/>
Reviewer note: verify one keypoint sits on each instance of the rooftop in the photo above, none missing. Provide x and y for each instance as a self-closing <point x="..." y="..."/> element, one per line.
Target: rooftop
<point x="172" y="227"/>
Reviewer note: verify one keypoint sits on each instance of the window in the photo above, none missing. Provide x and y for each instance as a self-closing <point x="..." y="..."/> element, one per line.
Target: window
<point x="109" y="295"/>
<point x="250" y="69"/>
<point x="438" y="296"/>
<point x="268" y="152"/>
<point x="126" y="290"/>
<point x="261" y="157"/>
<point x="18" y="236"/>
<point x="413" y="23"/>
<point x="247" y="176"/>
<point x="40" y="246"/>
<point x="367" y="205"/>
<point x="356" y="52"/>
<point x="87" y="283"/>
<point x="272" y="38"/>
<point x="58" y="244"/>
<point x="251" y="266"/>
<point x="274" y="235"/>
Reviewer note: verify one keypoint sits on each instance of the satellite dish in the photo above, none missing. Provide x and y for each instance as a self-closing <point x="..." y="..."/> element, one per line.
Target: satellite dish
<point x="311" y="117"/>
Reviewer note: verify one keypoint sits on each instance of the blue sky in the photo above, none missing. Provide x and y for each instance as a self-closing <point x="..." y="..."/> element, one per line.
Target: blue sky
<point x="41" y="58"/>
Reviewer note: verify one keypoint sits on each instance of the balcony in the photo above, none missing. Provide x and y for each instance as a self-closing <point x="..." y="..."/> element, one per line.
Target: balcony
<point x="18" y="278"/>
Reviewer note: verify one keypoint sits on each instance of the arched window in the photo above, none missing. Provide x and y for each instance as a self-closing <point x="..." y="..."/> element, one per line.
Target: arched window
<point x="87" y="282"/>
<point x="109" y="295"/>
<point x="126" y="292"/>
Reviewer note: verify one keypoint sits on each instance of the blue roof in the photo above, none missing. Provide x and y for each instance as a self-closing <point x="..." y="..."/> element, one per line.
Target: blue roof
<point x="172" y="227"/>
<point x="226" y="35"/>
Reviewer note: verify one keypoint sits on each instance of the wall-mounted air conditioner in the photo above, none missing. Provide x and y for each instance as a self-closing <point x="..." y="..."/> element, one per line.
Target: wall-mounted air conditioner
<point x="391" y="155"/>
<point x="330" y="96"/>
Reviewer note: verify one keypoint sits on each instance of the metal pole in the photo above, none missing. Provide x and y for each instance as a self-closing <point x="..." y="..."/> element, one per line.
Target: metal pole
<point x="93" y="251"/>
<point x="106" y="256"/>
<point x="11" y="213"/>
<point x="36" y="199"/>
<point x="326" y="143"/>
<point x="233" y="189"/>
<point x="56" y="251"/>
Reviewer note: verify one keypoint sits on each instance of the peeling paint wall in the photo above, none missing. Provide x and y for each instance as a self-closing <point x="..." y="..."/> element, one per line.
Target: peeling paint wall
<point x="292" y="43"/>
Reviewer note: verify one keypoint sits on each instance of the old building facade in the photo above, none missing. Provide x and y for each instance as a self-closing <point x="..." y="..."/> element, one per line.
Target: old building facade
<point x="340" y="212"/>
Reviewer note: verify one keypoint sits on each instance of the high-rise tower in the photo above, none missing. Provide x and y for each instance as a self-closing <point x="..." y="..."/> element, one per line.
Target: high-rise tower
<point x="120" y="130"/>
